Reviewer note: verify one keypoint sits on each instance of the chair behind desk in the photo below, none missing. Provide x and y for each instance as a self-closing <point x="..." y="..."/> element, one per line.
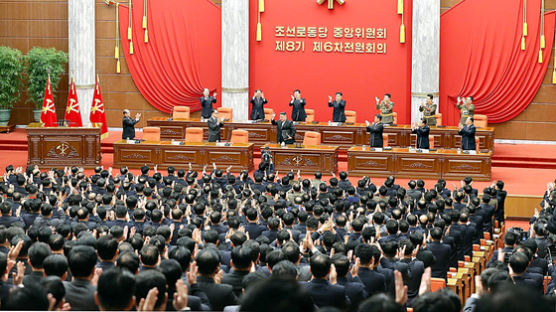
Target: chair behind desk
<point x="310" y="115"/>
<point x="151" y="134"/>
<point x="225" y="112"/>
<point x="194" y="135"/>
<point x="351" y="116"/>
<point x="239" y="136"/>
<point x="181" y="112"/>
<point x="312" y="138"/>
<point x="268" y="112"/>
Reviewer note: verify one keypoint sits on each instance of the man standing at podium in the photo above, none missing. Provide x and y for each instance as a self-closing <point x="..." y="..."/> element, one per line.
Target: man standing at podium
<point x="339" y="114"/>
<point x="422" y="131"/>
<point x="286" y="129"/>
<point x="466" y="107"/>
<point x="129" y="125"/>
<point x="298" y="107"/>
<point x="214" y="126"/>
<point x="375" y="129"/>
<point x="206" y="103"/>
<point x="386" y="107"/>
<point x="467" y="133"/>
<point x="257" y="109"/>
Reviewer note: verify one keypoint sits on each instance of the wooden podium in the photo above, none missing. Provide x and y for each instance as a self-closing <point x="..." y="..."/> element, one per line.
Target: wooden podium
<point x="63" y="146"/>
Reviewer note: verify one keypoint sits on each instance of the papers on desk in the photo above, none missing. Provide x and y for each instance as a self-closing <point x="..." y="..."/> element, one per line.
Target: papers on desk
<point x="131" y="141"/>
<point x="221" y="144"/>
<point x="177" y="143"/>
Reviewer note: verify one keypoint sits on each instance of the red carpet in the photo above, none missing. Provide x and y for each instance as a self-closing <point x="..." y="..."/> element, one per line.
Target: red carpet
<point x="512" y="163"/>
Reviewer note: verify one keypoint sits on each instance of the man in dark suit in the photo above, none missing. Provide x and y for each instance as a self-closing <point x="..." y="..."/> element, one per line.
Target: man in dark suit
<point x="257" y="105"/>
<point x="286" y="129"/>
<point x="80" y="292"/>
<point x="339" y="113"/>
<point x="298" y="107"/>
<point x="375" y="129"/>
<point x="241" y="264"/>
<point x="416" y="267"/>
<point x="369" y="256"/>
<point x="206" y="103"/>
<point x="129" y="125"/>
<point x="323" y="292"/>
<point x="214" y="125"/>
<point x="422" y="132"/>
<point x="467" y="133"/>
<point x="355" y="289"/>
<point x="441" y="252"/>
<point x="219" y="295"/>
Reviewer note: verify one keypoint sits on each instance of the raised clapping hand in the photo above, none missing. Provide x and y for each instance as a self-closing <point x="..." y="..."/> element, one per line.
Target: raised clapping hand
<point x="214" y="94"/>
<point x="377" y="99"/>
<point x="367" y="123"/>
<point x="329" y="98"/>
<point x="137" y="116"/>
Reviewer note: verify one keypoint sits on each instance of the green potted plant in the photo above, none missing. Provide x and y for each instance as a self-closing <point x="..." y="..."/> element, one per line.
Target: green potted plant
<point x="39" y="63"/>
<point x="11" y="70"/>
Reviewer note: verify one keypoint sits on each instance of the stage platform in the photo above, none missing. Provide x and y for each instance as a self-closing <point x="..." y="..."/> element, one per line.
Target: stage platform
<point x="525" y="168"/>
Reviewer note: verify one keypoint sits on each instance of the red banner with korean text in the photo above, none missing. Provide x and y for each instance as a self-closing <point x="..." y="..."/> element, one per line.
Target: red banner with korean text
<point x="353" y="48"/>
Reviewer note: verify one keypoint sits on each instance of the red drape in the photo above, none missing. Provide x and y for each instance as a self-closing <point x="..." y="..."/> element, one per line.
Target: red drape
<point x="183" y="53"/>
<point x="481" y="56"/>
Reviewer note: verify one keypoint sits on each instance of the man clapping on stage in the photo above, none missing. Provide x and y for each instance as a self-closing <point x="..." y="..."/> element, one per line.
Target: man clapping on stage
<point x="466" y="107"/>
<point x="214" y="125"/>
<point x="429" y="110"/>
<point x="375" y="129"/>
<point x="257" y="105"/>
<point x="206" y="103"/>
<point x="386" y="107"/>
<point x="422" y="131"/>
<point x="298" y="106"/>
<point x="467" y="133"/>
<point x="339" y="104"/>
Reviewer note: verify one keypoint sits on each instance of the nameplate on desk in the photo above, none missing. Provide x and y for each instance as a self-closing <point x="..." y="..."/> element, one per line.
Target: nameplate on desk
<point x="177" y="143"/>
<point x="376" y="149"/>
<point x="132" y="141"/>
<point x="335" y="124"/>
<point x="470" y="152"/>
<point x="423" y="151"/>
<point x="222" y="144"/>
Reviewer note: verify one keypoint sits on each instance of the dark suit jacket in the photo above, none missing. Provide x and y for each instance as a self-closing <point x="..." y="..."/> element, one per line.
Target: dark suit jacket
<point x="235" y="279"/>
<point x="325" y="294"/>
<point x="416" y="269"/>
<point x="206" y="104"/>
<point x="254" y="230"/>
<point x="298" y="110"/>
<point x="374" y="282"/>
<point x="339" y="113"/>
<point x="257" y="109"/>
<point x="80" y="294"/>
<point x="355" y="290"/>
<point x="467" y="138"/>
<point x="422" y="137"/>
<point x="376" y="134"/>
<point x="442" y="254"/>
<point x="285" y="128"/>
<point x="214" y="129"/>
<point x="219" y="295"/>
<point x="129" y="128"/>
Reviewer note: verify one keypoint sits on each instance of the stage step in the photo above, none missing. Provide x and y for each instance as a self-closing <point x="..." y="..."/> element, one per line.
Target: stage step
<point x="524" y="164"/>
<point x="13" y="147"/>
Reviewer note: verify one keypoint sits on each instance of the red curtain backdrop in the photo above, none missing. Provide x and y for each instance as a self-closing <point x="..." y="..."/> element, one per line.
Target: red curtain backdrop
<point x="481" y="56"/>
<point x="360" y="77"/>
<point x="183" y="54"/>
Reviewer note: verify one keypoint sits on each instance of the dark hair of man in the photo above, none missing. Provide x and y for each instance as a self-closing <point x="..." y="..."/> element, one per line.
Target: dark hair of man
<point x="366" y="253"/>
<point x="433" y="302"/>
<point x="380" y="303"/>
<point x="341" y="263"/>
<point x="284" y="269"/>
<point x="128" y="260"/>
<point x="436" y="233"/>
<point x="116" y="288"/>
<point x="53" y="285"/>
<point x="182" y="255"/>
<point x="82" y="261"/>
<point x="392" y="227"/>
<point x="274" y="257"/>
<point x="368" y="233"/>
<point x="497" y="280"/>
<point x="286" y="294"/>
<point x="107" y="246"/>
<point x="29" y="298"/>
<point x="149" y="255"/>
<point x="238" y="238"/>
<point x="55" y="265"/>
<point x="171" y="270"/>
<point x="320" y="265"/>
<point x="379" y="116"/>
<point x="241" y="257"/>
<point x="389" y="248"/>
<point x="147" y="280"/>
<point x="208" y="261"/>
<point x="37" y="253"/>
<point x="519" y="262"/>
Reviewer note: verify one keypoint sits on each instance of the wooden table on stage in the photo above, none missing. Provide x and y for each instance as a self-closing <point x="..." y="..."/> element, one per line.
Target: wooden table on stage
<point x="63" y="146"/>
<point x="165" y="154"/>
<point x="344" y="136"/>
<point x="307" y="159"/>
<point x="443" y="163"/>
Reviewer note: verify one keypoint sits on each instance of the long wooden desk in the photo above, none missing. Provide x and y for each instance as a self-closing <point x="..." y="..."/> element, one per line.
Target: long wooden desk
<point x="307" y="159"/>
<point x="447" y="164"/>
<point x="344" y="136"/>
<point x="165" y="154"/>
<point x="63" y="146"/>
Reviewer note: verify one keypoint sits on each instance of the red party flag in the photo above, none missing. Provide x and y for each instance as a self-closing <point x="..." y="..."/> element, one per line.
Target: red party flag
<point x="73" y="115"/>
<point x="98" y="116"/>
<point x="48" y="113"/>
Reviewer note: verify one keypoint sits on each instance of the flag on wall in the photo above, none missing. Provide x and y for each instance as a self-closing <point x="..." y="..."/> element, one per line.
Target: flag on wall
<point x="98" y="114"/>
<point x="73" y="115"/>
<point x="48" y="112"/>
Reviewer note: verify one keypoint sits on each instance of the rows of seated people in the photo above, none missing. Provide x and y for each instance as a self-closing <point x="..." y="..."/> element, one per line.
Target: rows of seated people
<point x="186" y="240"/>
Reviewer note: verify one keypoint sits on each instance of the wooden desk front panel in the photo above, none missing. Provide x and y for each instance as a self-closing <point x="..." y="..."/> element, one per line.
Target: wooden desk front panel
<point x="375" y="164"/>
<point x="165" y="155"/>
<point x="478" y="166"/>
<point x="418" y="165"/>
<point x="63" y="146"/>
<point x="307" y="161"/>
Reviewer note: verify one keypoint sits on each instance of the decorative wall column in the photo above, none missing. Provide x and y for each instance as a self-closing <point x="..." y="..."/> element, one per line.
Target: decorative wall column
<point x="425" y="53"/>
<point x="235" y="57"/>
<point x="81" y="46"/>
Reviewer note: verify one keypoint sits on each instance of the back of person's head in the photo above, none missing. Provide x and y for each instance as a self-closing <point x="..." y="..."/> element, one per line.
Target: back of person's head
<point x="147" y="280"/>
<point x="31" y="297"/>
<point x="277" y="295"/>
<point x="150" y="255"/>
<point x="320" y="265"/>
<point x="367" y="253"/>
<point x="511" y="298"/>
<point x="107" y="246"/>
<point x="241" y="257"/>
<point x="392" y="226"/>
<point x="284" y="269"/>
<point x="436" y="233"/>
<point x="116" y="289"/>
<point x="171" y="270"/>
<point x="519" y="262"/>
<point x="37" y="253"/>
<point x="380" y="303"/>
<point x="55" y="265"/>
<point x="128" y="260"/>
<point x="82" y="261"/>
<point x="208" y="261"/>
<point x="433" y="302"/>
<point x="53" y="285"/>
<point x="182" y="255"/>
